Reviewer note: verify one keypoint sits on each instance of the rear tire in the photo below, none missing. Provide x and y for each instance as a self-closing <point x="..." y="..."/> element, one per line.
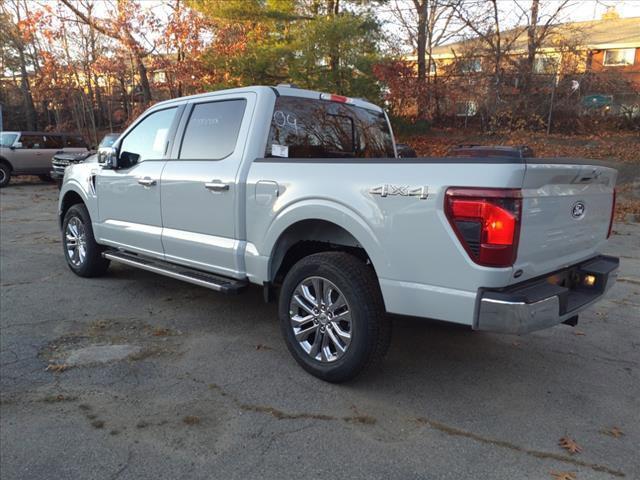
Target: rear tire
<point x="340" y="331"/>
<point x="5" y="175"/>
<point x="83" y="254"/>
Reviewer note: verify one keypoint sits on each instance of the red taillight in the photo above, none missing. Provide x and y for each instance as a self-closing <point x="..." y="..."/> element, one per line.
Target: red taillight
<point x="335" y="98"/>
<point x="487" y="223"/>
<point x="613" y="213"/>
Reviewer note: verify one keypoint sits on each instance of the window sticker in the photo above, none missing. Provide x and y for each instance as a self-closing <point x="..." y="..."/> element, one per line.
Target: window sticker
<point x="279" y="150"/>
<point x="159" y="140"/>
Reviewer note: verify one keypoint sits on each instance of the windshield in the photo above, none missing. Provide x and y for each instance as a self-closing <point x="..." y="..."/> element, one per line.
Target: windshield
<point x="108" y="140"/>
<point x="7" y="139"/>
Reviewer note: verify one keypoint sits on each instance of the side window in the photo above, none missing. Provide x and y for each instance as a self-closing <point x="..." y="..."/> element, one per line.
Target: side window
<point x="148" y="139"/>
<point x="32" y="141"/>
<point x="74" y="142"/>
<point x="52" y="141"/>
<point x="212" y="130"/>
<point x="307" y="128"/>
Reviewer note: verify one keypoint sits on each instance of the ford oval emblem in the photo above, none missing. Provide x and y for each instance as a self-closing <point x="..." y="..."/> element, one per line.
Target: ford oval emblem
<point x="577" y="211"/>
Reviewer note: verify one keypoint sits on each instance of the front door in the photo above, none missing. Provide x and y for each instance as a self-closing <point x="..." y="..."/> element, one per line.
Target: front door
<point x="199" y="190"/>
<point x="129" y="196"/>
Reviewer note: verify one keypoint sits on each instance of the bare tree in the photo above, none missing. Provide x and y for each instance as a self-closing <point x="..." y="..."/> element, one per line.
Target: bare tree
<point x="427" y="24"/>
<point x="14" y="38"/>
<point x="119" y="29"/>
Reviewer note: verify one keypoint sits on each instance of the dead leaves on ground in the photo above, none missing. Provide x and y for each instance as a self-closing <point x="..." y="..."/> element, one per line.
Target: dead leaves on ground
<point x="56" y="368"/>
<point x="614" y="432"/>
<point x="570" y="445"/>
<point x="563" y="475"/>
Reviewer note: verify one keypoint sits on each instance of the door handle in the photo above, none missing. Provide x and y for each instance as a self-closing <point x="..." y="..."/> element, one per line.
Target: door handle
<point x="216" y="186"/>
<point x="147" y="181"/>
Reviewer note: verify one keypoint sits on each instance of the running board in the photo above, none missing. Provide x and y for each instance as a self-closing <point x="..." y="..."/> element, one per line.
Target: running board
<point x="186" y="274"/>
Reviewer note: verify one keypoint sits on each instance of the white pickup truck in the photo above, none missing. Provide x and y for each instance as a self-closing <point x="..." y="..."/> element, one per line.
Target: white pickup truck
<point x="302" y="193"/>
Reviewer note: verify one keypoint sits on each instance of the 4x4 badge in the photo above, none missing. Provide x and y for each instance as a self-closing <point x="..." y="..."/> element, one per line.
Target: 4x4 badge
<point x="402" y="190"/>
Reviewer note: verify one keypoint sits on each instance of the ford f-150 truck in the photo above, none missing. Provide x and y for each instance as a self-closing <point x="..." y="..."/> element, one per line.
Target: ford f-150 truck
<point x="303" y="194"/>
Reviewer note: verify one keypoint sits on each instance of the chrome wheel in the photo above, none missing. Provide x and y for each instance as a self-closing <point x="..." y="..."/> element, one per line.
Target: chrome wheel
<point x="75" y="241"/>
<point x="321" y="319"/>
<point x="3" y="175"/>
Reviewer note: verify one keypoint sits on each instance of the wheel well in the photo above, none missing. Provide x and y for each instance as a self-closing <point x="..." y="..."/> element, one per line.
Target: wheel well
<point x="308" y="237"/>
<point x="4" y="161"/>
<point x="70" y="198"/>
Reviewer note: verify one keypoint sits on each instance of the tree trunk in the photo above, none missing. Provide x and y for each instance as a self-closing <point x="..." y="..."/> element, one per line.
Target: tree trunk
<point x="27" y="99"/>
<point x="31" y="116"/>
<point x="144" y="79"/>
<point x="532" y="45"/>
<point x="422" y="9"/>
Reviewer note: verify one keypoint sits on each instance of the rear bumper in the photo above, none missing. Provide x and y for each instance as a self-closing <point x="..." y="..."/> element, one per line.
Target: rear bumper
<point x="548" y="301"/>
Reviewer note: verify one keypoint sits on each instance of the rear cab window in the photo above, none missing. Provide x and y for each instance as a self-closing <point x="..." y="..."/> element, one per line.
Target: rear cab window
<point x="315" y="128"/>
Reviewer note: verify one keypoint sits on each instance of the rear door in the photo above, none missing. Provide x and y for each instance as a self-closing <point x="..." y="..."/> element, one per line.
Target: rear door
<point x="200" y="189"/>
<point x="566" y="212"/>
<point x="129" y="197"/>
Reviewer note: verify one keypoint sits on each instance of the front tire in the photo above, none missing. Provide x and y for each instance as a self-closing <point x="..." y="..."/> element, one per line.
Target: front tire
<point x="332" y="316"/>
<point x="83" y="254"/>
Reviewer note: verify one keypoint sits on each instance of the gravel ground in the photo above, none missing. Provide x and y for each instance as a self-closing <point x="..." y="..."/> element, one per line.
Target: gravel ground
<point x="136" y="376"/>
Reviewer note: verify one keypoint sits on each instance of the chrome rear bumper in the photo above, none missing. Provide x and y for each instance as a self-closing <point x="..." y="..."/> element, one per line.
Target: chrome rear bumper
<point x="548" y="301"/>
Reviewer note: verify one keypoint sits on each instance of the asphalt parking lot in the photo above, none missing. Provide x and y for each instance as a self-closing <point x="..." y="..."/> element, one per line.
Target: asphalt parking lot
<point x="195" y="384"/>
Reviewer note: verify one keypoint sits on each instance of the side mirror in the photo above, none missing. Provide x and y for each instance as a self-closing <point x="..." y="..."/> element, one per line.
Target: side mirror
<point x="108" y="158"/>
<point x="16" y="145"/>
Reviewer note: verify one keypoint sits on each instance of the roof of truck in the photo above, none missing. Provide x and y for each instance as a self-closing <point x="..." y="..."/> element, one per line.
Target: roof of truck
<point x="28" y="132"/>
<point x="284" y="90"/>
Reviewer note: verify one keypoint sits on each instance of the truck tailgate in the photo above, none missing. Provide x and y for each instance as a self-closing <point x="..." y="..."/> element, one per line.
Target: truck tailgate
<point x="566" y="212"/>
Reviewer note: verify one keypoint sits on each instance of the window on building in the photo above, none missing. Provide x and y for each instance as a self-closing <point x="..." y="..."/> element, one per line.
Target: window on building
<point x="619" y="57"/>
<point x="545" y="64"/>
<point x="470" y="65"/>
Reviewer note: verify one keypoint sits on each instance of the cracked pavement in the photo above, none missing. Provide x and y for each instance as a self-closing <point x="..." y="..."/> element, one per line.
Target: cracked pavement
<point x="213" y="393"/>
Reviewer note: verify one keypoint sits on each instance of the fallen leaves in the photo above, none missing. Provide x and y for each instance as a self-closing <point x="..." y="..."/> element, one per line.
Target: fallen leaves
<point x="563" y="475"/>
<point x="579" y="333"/>
<point x="569" y="445"/>
<point x="614" y="432"/>
<point x="56" y="368"/>
<point x="191" y="420"/>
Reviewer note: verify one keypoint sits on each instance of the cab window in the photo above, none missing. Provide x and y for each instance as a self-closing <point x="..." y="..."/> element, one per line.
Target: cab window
<point x="308" y="128"/>
<point x="32" y="141"/>
<point x="148" y="139"/>
<point x="212" y="130"/>
<point x="52" y="141"/>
